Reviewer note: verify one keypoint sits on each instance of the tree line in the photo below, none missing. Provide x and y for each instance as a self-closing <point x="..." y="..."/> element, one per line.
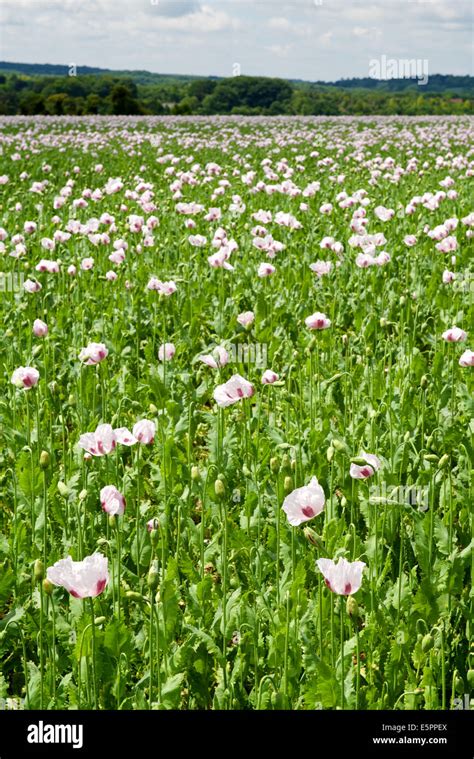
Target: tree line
<point x="110" y="94"/>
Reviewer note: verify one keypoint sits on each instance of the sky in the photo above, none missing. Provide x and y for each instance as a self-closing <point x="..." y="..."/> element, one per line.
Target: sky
<point x="294" y="39"/>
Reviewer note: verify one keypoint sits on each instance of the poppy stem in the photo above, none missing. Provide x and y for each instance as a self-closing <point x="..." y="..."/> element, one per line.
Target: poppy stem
<point x="342" y="653"/>
<point x="94" y="672"/>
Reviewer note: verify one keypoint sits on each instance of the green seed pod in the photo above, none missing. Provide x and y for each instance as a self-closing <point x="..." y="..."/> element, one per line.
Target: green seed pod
<point x="274" y="465"/>
<point x="71" y="400"/>
<point x="99" y="620"/>
<point x="152" y="408"/>
<point x="63" y="489"/>
<point x="219" y="488"/>
<point x="38" y="571"/>
<point x="330" y="453"/>
<point x="343" y="501"/>
<point x="132" y="596"/>
<point x="45" y="459"/>
<point x="153" y="579"/>
<point x="48" y="586"/>
<point x="352" y="607"/>
<point x="288" y="485"/>
<point x="424" y="381"/>
<point x="154" y="537"/>
<point x="195" y="473"/>
<point x="470" y="678"/>
<point x="112" y="520"/>
<point x="293" y="465"/>
<point x="443" y="461"/>
<point x="458" y="683"/>
<point x="427" y="643"/>
<point x="285" y="463"/>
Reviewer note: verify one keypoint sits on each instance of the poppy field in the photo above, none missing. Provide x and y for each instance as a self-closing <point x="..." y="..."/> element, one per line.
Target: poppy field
<point x="236" y="413"/>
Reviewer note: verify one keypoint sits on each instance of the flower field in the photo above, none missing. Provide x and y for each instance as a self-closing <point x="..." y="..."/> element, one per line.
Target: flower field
<point x="236" y="413"/>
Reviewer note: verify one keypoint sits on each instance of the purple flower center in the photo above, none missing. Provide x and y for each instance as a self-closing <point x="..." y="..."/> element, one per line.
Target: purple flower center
<point x="308" y="511"/>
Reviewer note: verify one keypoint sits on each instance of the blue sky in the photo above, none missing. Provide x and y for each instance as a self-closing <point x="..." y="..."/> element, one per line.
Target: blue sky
<point x="306" y="39"/>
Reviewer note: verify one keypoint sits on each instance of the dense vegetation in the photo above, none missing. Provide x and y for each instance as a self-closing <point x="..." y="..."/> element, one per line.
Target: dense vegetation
<point x="31" y="89"/>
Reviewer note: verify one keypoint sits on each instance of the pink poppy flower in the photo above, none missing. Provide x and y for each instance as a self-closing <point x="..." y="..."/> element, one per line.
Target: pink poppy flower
<point x="367" y="470"/>
<point x="82" y="579"/>
<point x="448" y="277"/>
<point x="166" y="352"/>
<point x="164" y="288"/>
<point x="269" y="377"/>
<point x="144" y="431"/>
<point x="317" y="321"/>
<point x="304" y="503"/>
<point x="454" y="335"/>
<point x="246" y="318"/>
<point x="152" y="524"/>
<point x="321" y="267"/>
<point x="124" y="436"/>
<point x="265" y="270"/>
<point x="93" y="354"/>
<point x="25" y="377"/>
<point x="219" y="358"/>
<point x="219" y="260"/>
<point x="233" y="391"/>
<point x="87" y="263"/>
<point x="98" y="443"/>
<point x="343" y="577"/>
<point x="31" y="286"/>
<point x="112" y="500"/>
<point x="467" y="358"/>
<point x="40" y="328"/>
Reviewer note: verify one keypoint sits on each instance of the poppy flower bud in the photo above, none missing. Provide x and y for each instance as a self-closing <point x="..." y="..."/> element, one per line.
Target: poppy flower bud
<point x="458" y="683"/>
<point x="383" y="322"/>
<point x="71" y="400"/>
<point x="246" y="471"/>
<point x="330" y="453"/>
<point x="359" y="461"/>
<point x="154" y="537"/>
<point x="153" y="579"/>
<point x="285" y="462"/>
<point x="338" y="445"/>
<point x="132" y="596"/>
<point x="424" y="381"/>
<point x="352" y="607"/>
<point x="293" y="465"/>
<point x="470" y="678"/>
<point x="63" y="489"/>
<point x="402" y="300"/>
<point x="195" y="474"/>
<point x="219" y="488"/>
<point x="430" y="457"/>
<point x="406" y="437"/>
<point x="443" y="461"/>
<point x="53" y="387"/>
<point x="274" y="465"/>
<point x="83" y="495"/>
<point x="44" y="459"/>
<point x="343" y="501"/>
<point x="48" y="586"/>
<point x="102" y="542"/>
<point x="99" y="620"/>
<point x="427" y="643"/>
<point x="38" y="571"/>
<point x="313" y="538"/>
<point x="287" y="484"/>
<point x="152" y="408"/>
